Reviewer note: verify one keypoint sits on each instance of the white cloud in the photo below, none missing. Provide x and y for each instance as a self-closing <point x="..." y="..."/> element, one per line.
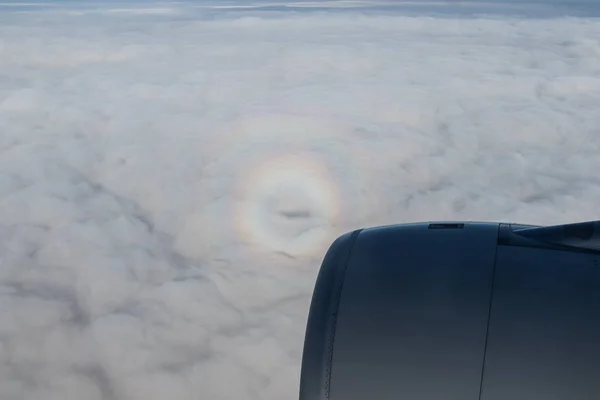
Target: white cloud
<point x="149" y="246"/>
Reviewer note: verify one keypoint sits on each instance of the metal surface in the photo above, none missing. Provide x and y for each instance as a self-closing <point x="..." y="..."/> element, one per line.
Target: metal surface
<point x="461" y="310"/>
<point x="544" y="335"/>
<point x="320" y="328"/>
<point x="582" y="235"/>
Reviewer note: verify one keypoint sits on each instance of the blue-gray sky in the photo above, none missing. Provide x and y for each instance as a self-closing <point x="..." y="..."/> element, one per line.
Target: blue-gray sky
<point x="172" y="173"/>
<point x="529" y="8"/>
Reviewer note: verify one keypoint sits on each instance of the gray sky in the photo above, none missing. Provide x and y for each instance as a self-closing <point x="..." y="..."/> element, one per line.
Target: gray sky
<point x="171" y="174"/>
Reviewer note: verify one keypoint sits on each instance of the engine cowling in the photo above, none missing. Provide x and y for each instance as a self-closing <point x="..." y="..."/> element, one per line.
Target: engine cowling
<point x="456" y="311"/>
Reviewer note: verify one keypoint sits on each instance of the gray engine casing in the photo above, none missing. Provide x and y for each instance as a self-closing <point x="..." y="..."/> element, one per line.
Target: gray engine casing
<point x="456" y="311"/>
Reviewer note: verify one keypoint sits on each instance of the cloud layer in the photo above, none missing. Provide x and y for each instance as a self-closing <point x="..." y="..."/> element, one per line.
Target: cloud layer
<point x="170" y="176"/>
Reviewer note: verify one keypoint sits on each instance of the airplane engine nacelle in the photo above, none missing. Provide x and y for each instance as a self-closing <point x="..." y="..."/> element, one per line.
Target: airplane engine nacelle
<point x="456" y="311"/>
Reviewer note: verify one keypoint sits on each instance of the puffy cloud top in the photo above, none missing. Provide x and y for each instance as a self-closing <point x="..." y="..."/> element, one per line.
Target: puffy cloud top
<point x="172" y="173"/>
